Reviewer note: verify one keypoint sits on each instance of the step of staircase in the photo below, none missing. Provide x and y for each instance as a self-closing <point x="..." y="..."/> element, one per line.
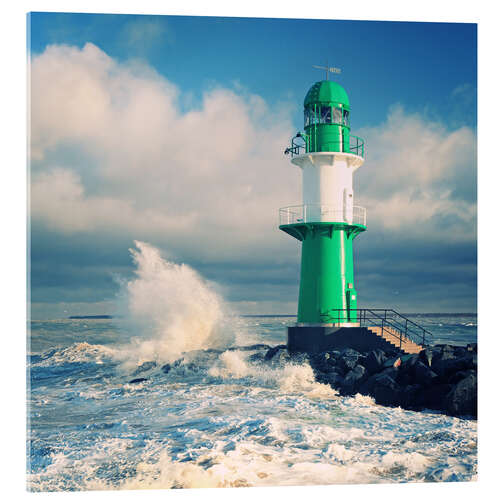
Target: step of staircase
<point x="391" y="335"/>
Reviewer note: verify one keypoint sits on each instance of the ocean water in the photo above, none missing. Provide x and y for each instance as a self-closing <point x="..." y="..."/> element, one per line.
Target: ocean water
<point x="219" y="416"/>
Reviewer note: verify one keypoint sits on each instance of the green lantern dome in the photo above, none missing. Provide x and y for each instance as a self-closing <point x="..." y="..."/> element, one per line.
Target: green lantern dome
<point x="327" y="91"/>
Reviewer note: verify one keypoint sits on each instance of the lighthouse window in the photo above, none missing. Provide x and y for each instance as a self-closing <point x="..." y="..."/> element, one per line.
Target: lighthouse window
<point x="308" y="117"/>
<point x="346" y="118"/>
<point x="337" y="115"/>
<point x="326" y="114"/>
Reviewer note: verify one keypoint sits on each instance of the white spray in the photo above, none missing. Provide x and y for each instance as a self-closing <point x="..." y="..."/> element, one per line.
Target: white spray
<point x="172" y="309"/>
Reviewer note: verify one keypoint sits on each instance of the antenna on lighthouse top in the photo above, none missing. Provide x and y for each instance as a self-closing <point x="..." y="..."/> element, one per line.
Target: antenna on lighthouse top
<point x="328" y="69"/>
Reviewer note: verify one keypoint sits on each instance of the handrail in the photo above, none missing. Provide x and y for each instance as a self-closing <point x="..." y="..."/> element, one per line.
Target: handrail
<point x="355" y="146"/>
<point x="385" y="318"/>
<point x="317" y="212"/>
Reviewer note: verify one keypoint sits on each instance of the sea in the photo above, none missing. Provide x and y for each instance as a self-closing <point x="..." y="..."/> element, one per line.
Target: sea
<point x="209" y="411"/>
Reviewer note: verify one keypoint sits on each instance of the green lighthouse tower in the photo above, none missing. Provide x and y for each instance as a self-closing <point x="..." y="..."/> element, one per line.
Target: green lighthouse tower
<point x="327" y="221"/>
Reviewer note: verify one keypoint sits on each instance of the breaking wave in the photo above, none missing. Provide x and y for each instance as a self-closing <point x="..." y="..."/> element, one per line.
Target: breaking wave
<point x="170" y="309"/>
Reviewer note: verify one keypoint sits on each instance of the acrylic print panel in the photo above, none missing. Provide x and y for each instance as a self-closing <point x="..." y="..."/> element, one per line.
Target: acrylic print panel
<point x="164" y="294"/>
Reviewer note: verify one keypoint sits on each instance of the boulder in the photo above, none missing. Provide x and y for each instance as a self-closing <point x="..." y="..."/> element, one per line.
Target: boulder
<point x="333" y="378"/>
<point x="458" y="376"/>
<point x="409" y="396"/>
<point x="462" y="398"/>
<point x="423" y="375"/>
<point x="281" y="357"/>
<point x="299" y="357"/>
<point x="445" y="367"/>
<point x="429" y="355"/>
<point x="353" y="379"/>
<point x="349" y="359"/>
<point x="386" y="391"/>
<point x="472" y="347"/>
<point x="137" y="380"/>
<point x="368" y="387"/>
<point x="273" y="351"/>
<point x="394" y="361"/>
<point x="253" y="347"/>
<point x="323" y="362"/>
<point x="408" y="362"/>
<point x="257" y="357"/>
<point x="432" y="397"/>
<point x="459" y="351"/>
<point x="374" y="361"/>
<point x="144" y="367"/>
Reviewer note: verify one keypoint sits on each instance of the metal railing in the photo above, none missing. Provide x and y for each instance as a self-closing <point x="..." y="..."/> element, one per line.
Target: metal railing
<point x="356" y="146"/>
<point x="301" y="144"/>
<point x="391" y="323"/>
<point x="316" y="212"/>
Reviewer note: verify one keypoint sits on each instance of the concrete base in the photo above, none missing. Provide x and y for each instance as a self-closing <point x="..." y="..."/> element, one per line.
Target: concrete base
<point x="313" y="339"/>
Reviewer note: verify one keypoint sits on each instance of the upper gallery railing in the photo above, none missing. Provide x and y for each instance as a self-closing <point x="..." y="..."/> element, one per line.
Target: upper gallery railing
<point x="300" y="145"/>
<point x="298" y="214"/>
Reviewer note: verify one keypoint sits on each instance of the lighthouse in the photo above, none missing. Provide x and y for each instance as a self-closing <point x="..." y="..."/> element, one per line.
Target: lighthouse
<point x="328" y="221"/>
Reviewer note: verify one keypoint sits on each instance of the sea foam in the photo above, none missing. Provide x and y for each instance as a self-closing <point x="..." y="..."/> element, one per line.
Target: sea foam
<point x="170" y="309"/>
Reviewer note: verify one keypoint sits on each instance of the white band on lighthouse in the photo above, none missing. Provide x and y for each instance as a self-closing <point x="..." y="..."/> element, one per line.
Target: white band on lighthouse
<point x="327" y="189"/>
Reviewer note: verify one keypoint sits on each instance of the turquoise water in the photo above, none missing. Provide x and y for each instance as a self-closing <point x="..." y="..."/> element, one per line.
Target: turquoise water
<point x="220" y="416"/>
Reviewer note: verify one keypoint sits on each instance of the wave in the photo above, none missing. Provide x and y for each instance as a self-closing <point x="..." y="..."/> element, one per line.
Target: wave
<point x="171" y="309"/>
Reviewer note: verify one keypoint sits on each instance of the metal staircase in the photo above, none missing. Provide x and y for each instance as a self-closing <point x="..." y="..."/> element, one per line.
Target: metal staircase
<point x="396" y="329"/>
<point x="393" y="337"/>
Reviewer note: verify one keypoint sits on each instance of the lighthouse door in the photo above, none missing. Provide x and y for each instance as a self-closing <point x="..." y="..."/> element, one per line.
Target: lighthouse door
<point x="347" y="205"/>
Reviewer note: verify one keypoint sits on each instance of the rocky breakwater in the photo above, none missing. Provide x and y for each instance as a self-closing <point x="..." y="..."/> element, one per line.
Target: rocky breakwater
<point x="441" y="377"/>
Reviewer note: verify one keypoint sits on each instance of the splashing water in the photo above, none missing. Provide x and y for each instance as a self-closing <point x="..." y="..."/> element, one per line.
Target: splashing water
<point x="219" y="417"/>
<point x="171" y="309"/>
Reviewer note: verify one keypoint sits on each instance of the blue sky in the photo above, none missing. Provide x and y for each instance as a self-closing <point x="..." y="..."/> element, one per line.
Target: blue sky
<point x="417" y="64"/>
<point x="236" y="87"/>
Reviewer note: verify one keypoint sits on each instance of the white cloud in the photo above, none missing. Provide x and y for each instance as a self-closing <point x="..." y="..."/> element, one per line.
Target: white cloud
<point x="216" y="170"/>
<point x="417" y="170"/>
<point x="59" y="198"/>
<point x="155" y="169"/>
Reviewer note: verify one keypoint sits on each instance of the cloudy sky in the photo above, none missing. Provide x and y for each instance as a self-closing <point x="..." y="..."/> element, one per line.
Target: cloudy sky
<point x="171" y="130"/>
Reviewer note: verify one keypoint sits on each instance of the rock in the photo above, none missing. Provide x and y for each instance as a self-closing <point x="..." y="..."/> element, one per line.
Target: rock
<point x="144" y="367"/>
<point x="281" y="357"/>
<point x="348" y="351"/>
<point x="429" y="355"/>
<point x="409" y="394"/>
<point x="299" y="357"/>
<point x="166" y="368"/>
<point x="257" y="357"/>
<point x="459" y="351"/>
<point x="447" y="367"/>
<point x="405" y="378"/>
<point x="273" y="350"/>
<point x="369" y="385"/>
<point x="423" y="375"/>
<point x="472" y="347"/>
<point x="408" y="361"/>
<point x="472" y="361"/>
<point x="458" y="376"/>
<point x="137" y="380"/>
<point x="253" y="347"/>
<point x="432" y="397"/>
<point x="374" y="361"/>
<point x="353" y="380"/>
<point x="322" y="362"/>
<point x="333" y="378"/>
<point x="349" y="359"/>
<point x="462" y="398"/>
<point x="394" y="361"/>
<point x="386" y="391"/>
